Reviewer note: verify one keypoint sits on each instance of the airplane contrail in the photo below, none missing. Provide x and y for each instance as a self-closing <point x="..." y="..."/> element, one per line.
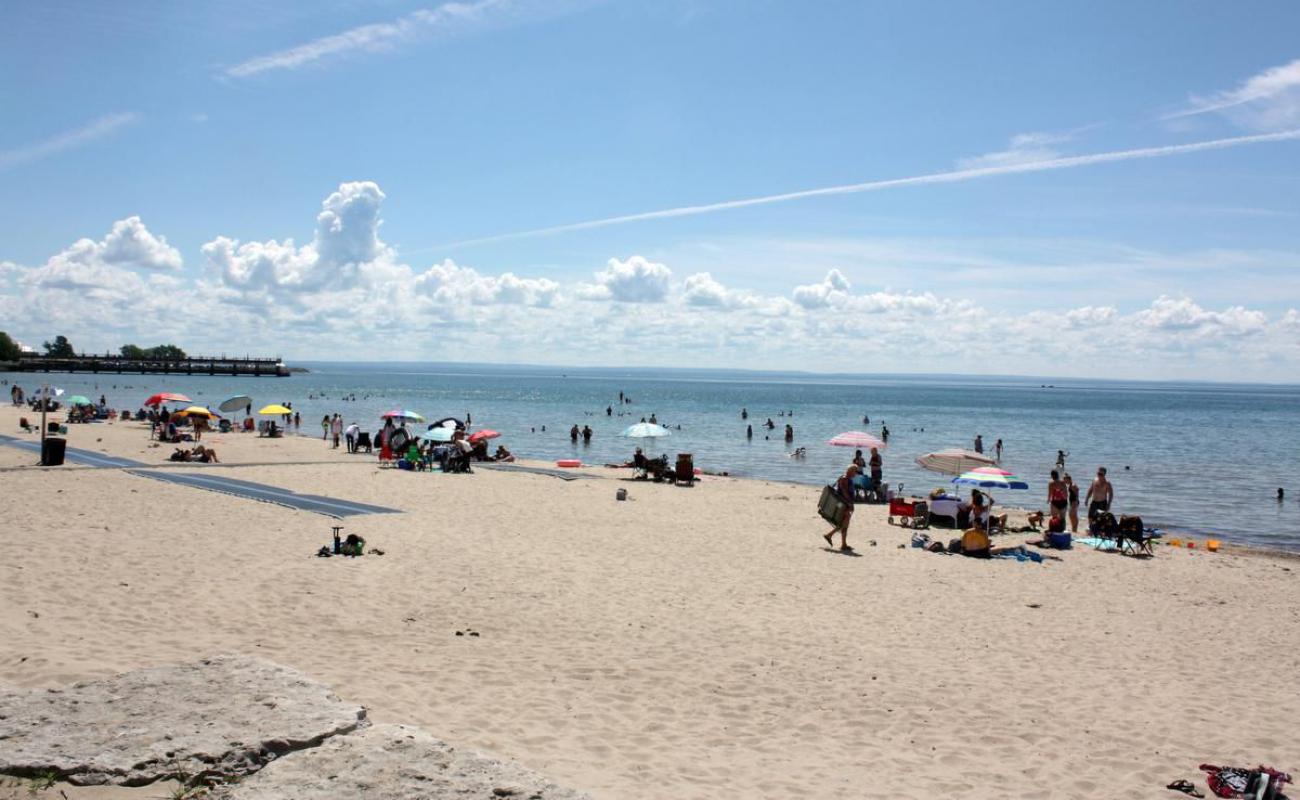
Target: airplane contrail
<point x="951" y="176"/>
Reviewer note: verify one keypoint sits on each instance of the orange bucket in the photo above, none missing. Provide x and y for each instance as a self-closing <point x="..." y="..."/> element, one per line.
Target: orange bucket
<point x="1212" y="545"/>
<point x="1175" y="542"/>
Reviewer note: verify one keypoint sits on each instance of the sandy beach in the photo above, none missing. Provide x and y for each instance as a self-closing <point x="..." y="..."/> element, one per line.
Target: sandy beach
<point x="687" y="643"/>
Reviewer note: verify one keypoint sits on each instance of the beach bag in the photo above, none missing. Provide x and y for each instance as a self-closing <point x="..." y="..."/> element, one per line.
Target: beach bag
<point x="1103" y="525"/>
<point x="830" y="506"/>
<point x="1131" y="527"/>
<point x="1256" y="784"/>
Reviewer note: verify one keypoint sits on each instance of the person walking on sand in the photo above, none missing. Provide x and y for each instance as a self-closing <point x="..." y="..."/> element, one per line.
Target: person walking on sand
<point x="1072" y="490"/>
<point x="336" y="429"/>
<point x="877" y="465"/>
<point x="1100" y="494"/>
<point x="325" y="427"/>
<point x="844" y="488"/>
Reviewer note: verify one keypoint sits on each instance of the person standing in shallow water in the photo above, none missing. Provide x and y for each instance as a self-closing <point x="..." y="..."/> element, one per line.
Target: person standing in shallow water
<point x="749" y="434"/>
<point x="997" y="449"/>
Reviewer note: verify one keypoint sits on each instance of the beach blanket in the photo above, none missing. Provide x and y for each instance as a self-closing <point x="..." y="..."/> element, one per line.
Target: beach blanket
<point x="1235" y="781"/>
<point x="1020" y="554"/>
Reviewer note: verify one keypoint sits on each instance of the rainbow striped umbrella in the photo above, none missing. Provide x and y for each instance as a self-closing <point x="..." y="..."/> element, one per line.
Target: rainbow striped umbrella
<point x="990" y="478"/>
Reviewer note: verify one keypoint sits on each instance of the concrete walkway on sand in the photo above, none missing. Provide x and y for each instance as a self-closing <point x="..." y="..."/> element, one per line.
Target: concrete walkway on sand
<point x="329" y="506"/>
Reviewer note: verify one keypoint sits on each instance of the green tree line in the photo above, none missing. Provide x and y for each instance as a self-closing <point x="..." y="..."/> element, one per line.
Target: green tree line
<point x="62" y="348"/>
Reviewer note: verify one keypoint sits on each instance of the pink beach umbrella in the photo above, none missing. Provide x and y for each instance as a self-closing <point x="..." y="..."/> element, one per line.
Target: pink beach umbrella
<point x="486" y="433"/>
<point x="857" y="439"/>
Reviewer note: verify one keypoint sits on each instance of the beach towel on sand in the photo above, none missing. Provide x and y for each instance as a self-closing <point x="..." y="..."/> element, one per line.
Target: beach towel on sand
<point x="1235" y="781"/>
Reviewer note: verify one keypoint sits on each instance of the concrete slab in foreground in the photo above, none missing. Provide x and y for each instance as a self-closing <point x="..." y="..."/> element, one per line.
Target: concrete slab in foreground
<point x="226" y="716"/>
<point x="393" y="762"/>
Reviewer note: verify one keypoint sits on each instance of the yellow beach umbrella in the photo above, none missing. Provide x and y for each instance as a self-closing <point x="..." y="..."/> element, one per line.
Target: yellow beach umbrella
<point x="276" y="410"/>
<point x="196" y="411"/>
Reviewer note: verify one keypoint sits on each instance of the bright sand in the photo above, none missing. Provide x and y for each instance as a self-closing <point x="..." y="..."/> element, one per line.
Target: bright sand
<point x="686" y="643"/>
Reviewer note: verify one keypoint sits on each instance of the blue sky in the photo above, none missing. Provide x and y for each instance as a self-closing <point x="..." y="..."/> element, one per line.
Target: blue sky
<point x="158" y="158"/>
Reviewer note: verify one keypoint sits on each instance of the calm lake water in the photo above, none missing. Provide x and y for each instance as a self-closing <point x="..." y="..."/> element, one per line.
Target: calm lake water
<point x="1201" y="457"/>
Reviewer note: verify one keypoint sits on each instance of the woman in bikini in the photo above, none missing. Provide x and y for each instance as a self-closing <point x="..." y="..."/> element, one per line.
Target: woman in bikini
<point x="1057" y="494"/>
<point x="1072" y="490"/>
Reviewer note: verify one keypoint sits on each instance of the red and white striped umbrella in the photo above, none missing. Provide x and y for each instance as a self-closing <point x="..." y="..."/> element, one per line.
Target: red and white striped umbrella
<point x="857" y="439"/>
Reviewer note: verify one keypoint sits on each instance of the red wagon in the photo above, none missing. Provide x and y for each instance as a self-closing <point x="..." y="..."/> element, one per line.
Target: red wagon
<point x="912" y="512"/>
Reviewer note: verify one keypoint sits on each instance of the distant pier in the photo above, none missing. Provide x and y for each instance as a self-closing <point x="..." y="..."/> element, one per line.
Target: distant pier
<point x="190" y="365"/>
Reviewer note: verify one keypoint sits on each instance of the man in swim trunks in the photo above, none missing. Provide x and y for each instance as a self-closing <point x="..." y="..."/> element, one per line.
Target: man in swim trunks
<point x="1100" y="494"/>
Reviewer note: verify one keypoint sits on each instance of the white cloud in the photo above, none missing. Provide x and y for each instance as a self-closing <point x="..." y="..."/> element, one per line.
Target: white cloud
<point x="633" y="281"/>
<point x="1090" y="316"/>
<point x="1024" y="148"/>
<point x="449" y="19"/>
<point x="819" y="295"/>
<point x="1183" y="316"/>
<point x="346" y="239"/>
<point x="702" y="290"/>
<point x="343" y="292"/>
<point x="447" y="282"/>
<point x="97" y="129"/>
<point x="128" y="246"/>
<point x="1267" y="101"/>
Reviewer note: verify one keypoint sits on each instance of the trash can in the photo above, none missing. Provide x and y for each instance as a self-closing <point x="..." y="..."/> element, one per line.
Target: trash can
<point x="52" y="451"/>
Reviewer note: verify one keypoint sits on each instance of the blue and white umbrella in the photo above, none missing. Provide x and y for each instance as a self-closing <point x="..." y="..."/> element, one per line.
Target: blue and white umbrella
<point x="646" y="430"/>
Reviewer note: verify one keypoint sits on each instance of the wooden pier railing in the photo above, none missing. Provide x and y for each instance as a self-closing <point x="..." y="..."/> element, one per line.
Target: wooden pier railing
<point x="192" y="365"/>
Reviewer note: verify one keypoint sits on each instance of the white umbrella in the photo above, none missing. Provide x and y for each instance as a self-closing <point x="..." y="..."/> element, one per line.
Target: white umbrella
<point x="954" y="461"/>
<point x="646" y="430"/>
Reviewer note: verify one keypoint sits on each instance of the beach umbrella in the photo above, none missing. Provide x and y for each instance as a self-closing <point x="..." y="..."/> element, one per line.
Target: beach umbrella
<point x="857" y="439"/>
<point x="646" y="430"/>
<point x="954" y="461"/>
<point x="276" y="410"/>
<point x="402" y="413"/>
<point x="990" y="478"/>
<point x="167" y="397"/>
<point x="438" y="434"/>
<point x="197" y="411"/>
<point x="486" y="433"/>
<point x="236" y="403"/>
<point x="448" y="422"/>
<point x="79" y="400"/>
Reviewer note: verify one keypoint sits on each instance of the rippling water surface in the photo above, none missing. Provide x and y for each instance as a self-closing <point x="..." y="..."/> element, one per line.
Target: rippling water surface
<point x="1202" y="457"/>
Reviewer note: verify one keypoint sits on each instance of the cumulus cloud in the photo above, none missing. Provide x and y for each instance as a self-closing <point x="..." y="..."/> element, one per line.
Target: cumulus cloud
<point x="636" y="280"/>
<point x="1183" y="316"/>
<point x="819" y="295"/>
<point x="1090" y="316"/>
<point x="1266" y="101"/>
<point x="345" y="289"/>
<point x="447" y="282"/>
<point x="346" y="240"/>
<point x="701" y="289"/>
<point x="109" y="262"/>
